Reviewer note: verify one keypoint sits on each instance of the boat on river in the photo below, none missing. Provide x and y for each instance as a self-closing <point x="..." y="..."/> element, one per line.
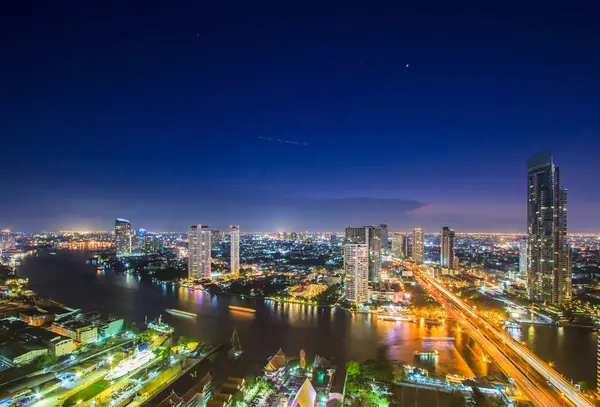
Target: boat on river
<point x="181" y="313"/>
<point x="426" y="353"/>
<point x="160" y="327"/>
<point x="139" y="359"/>
<point x="242" y="309"/>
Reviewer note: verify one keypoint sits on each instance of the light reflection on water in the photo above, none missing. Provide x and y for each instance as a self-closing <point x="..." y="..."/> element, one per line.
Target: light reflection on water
<point x="331" y="333"/>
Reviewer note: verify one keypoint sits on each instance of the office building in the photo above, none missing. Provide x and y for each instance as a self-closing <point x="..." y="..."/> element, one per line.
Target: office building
<point x="235" y="249"/>
<point x="356" y="267"/>
<point x="384" y="236"/>
<point x="447" y="255"/>
<point x="123" y="237"/>
<point x="418" y="245"/>
<point x="400" y="246"/>
<point x="549" y="254"/>
<point x="523" y="256"/>
<point x="371" y="236"/>
<point x="199" y="256"/>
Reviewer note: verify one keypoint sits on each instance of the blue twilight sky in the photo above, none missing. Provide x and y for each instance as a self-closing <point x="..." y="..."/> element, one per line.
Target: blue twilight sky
<point x="409" y="113"/>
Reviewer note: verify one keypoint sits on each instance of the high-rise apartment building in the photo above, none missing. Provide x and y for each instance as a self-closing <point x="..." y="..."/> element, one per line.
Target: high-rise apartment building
<point x="447" y="248"/>
<point x="199" y="256"/>
<point x="234" y="262"/>
<point x="356" y="267"/>
<point x="523" y="256"/>
<point x="418" y="245"/>
<point x="123" y="237"/>
<point x="400" y="246"/>
<point x="549" y="254"/>
<point x="371" y="236"/>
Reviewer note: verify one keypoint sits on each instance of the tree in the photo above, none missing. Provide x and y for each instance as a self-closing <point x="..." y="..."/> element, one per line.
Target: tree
<point x="353" y="368"/>
<point x="48" y="359"/>
<point x="380" y="370"/>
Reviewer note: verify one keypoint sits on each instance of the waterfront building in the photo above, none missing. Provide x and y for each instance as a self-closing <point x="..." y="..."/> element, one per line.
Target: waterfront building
<point x="371" y="236"/>
<point x="123" y="237"/>
<point x="356" y="267"/>
<point x="447" y="255"/>
<point x="549" y="262"/>
<point x="199" y="256"/>
<point x="275" y="366"/>
<point x="418" y="245"/>
<point x="235" y="249"/>
<point x="80" y="331"/>
<point x="523" y="256"/>
<point x="18" y="354"/>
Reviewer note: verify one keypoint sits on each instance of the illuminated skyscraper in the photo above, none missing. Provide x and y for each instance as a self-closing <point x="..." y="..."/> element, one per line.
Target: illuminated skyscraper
<point x="400" y="246"/>
<point x="384" y="236"/>
<point x="447" y="248"/>
<point x="523" y="255"/>
<point x="235" y="249"/>
<point x="199" y="256"/>
<point x="549" y="254"/>
<point x="152" y="244"/>
<point x="123" y="237"/>
<point x="356" y="267"/>
<point x="418" y="245"/>
<point x="7" y="240"/>
<point x="371" y="236"/>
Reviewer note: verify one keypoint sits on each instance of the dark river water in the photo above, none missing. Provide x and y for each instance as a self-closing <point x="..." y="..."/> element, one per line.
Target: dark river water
<point x="66" y="278"/>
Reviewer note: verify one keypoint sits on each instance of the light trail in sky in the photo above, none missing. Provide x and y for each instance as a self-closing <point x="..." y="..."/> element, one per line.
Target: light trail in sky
<point x="298" y="143"/>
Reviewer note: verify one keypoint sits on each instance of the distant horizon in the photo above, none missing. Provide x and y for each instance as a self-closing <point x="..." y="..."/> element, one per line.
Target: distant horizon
<point x="242" y="231"/>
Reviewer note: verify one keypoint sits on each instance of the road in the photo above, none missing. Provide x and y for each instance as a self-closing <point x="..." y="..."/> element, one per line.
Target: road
<point x="514" y="359"/>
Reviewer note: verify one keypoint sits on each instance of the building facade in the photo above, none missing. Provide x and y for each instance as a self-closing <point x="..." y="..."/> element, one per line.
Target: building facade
<point x="356" y="267"/>
<point x="447" y="255"/>
<point x="235" y="249"/>
<point x="123" y="237"/>
<point x="549" y="254"/>
<point x="400" y="246"/>
<point x="418" y="245"/>
<point x="372" y="237"/>
<point x="523" y="256"/>
<point x="384" y="235"/>
<point x="199" y="256"/>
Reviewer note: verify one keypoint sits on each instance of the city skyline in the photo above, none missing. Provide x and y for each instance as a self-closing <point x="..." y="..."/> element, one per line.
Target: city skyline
<point x="98" y="129"/>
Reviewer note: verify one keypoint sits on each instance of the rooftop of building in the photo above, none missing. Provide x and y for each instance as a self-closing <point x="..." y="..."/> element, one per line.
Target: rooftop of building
<point x="14" y="349"/>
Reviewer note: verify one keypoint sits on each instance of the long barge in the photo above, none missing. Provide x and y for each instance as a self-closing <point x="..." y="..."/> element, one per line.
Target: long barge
<point x="181" y="313"/>
<point x="242" y="309"/>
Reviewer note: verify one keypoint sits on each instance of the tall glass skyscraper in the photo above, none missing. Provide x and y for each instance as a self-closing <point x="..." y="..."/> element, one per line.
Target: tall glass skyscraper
<point x="418" y="245"/>
<point x="199" y="256"/>
<point x="447" y="248"/>
<point x="234" y="262"/>
<point x="123" y="237"/>
<point x="549" y="254"/>
<point x="356" y="267"/>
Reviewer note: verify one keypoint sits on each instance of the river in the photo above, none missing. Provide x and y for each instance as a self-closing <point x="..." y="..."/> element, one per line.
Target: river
<point x="66" y="278"/>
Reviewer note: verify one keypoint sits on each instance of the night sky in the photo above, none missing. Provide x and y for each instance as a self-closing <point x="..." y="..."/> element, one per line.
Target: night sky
<point x="419" y="115"/>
